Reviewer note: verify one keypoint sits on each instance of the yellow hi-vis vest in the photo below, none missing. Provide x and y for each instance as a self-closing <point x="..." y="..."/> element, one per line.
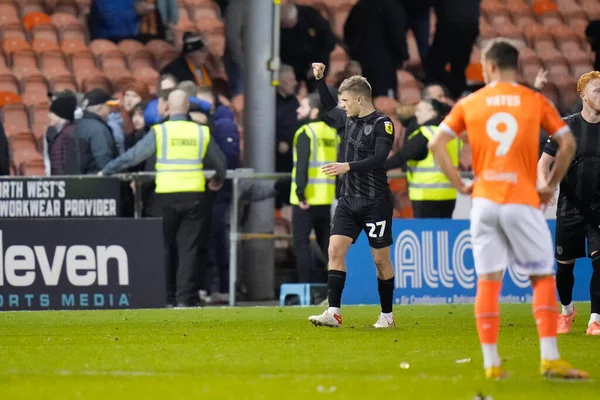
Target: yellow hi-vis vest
<point x="180" y="150"/>
<point x="320" y="188"/>
<point x="425" y="179"/>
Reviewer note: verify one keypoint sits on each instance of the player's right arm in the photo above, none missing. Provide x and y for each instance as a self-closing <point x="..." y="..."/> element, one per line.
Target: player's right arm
<point x="330" y="104"/>
<point x="560" y="132"/>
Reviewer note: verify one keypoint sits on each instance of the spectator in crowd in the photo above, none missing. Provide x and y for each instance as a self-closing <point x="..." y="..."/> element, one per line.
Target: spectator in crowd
<point x="375" y="33"/>
<point x="429" y="197"/>
<point x="286" y="124"/>
<point x="120" y="121"/>
<point x="418" y="13"/>
<point x="114" y="20"/>
<point x="352" y="68"/>
<point x="180" y="198"/>
<point x="139" y="131"/>
<point x="191" y="64"/>
<point x="157" y="18"/>
<point x="4" y="153"/>
<point x="306" y="37"/>
<point x="61" y="118"/>
<point x="592" y="33"/>
<point x="312" y="192"/>
<point x="151" y="114"/>
<point x="234" y="45"/>
<point x="456" y="31"/>
<point x="226" y="135"/>
<point x="433" y="91"/>
<point x="94" y="145"/>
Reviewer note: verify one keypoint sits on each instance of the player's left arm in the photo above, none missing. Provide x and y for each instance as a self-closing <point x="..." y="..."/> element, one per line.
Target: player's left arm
<point x="384" y="140"/>
<point x="451" y="128"/>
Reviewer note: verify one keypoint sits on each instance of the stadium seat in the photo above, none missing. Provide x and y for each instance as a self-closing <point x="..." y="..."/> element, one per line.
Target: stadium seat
<point x="39" y="120"/>
<point x="95" y="81"/>
<point x="8" y="82"/>
<point x="112" y="61"/>
<point x="9" y="98"/>
<point x="82" y="61"/>
<point x="12" y="45"/>
<point x="15" y="119"/>
<point x="147" y="75"/>
<point x="9" y="14"/>
<point x="141" y="59"/>
<point x="60" y="83"/>
<point x="45" y="32"/>
<point x="101" y="47"/>
<point x="72" y="46"/>
<point x="387" y="105"/>
<point x="13" y="31"/>
<point x="119" y="78"/>
<point x="44" y="46"/>
<point x="306" y="293"/>
<point x="33" y="167"/>
<point x="35" y="90"/>
<point x="33" y="18"/>
<point x="67" y="7"/>
<point x="130" y="46"/>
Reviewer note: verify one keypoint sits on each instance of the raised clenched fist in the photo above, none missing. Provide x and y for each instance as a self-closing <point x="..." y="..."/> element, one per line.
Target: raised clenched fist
<point x="318" y="70"/>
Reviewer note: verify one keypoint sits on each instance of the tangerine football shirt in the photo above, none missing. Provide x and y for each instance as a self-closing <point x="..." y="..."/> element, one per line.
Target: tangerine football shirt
<point x="502" y="122"/>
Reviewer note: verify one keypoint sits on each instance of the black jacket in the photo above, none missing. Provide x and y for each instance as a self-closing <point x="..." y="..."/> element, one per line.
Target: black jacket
<point x="92" y="147"/>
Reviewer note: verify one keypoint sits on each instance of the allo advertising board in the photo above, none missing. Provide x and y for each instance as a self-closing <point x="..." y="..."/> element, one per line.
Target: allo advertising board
<point x="433" y="264"/>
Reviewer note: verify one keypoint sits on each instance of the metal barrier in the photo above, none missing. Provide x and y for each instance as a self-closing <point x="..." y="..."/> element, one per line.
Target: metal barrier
<point x="235" y="236"/>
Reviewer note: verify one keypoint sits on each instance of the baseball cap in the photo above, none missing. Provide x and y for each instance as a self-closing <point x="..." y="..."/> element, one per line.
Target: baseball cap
<point x="192" y="42"/>
<point x="97" y="96"/>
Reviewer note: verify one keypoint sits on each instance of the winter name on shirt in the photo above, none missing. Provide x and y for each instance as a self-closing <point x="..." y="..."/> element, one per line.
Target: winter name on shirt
<point x="42" y="199"/>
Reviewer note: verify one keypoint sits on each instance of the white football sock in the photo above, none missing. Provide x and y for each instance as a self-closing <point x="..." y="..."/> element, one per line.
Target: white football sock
<point x="568" y="310"/>
<point x="549" y="348"/>
<point x="334" y="310"/>
<point x="491" y="358"/>
<point x="594" y="318"/>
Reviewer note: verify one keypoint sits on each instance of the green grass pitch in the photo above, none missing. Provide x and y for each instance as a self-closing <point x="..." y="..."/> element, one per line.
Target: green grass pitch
<point x="274" y="353"/>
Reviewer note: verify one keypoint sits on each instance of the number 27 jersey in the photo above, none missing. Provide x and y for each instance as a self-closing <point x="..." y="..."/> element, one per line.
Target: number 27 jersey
<point x="503" y="122"/>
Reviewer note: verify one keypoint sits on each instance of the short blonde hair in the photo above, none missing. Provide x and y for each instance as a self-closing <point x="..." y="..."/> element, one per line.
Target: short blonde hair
<point x="356" y="84"/>
<point x="585" y="79"/>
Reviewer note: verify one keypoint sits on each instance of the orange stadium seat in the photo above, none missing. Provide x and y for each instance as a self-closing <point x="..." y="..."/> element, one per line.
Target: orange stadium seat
<point x="15" y="118"/>
<point x="82" y="61"/>
<point x="45" y="32"/>
<point x="33" y="18"/>
<point x="9" y="14"/>
<point x="142" y="59"/>
<point x="387" y="105"/>
<point x="14" y="31"/>
<point x="33" y="167"/>
<point x="109" y="61"/>
<point x="541" y="7"/>
<point x="149" y="76"/>
<point x="8" y="82"/>
<point x="45" y="46"/>
<point x="35" y="90"/>
<point x="73" y="46"/>
<point x="95" y="81"/>
<point x="9" y="98"/>
<point x="100" y="47"/>
<point x="60" y="83"/>
<point x="119" y="78"/>
<point x="67" y="7"/>
<point x="39" y="120"/>
<point x="130" y="46"/>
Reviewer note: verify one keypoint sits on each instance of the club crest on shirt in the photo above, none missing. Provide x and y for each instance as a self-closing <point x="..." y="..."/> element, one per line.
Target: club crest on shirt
<point x="368" y="130"/>
<point x="389" y="128"/>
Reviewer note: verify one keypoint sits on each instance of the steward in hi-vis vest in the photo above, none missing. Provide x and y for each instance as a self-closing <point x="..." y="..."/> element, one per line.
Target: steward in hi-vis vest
<point x="430" y="192"/>
<point x="312" y="192"/>
<point x="183" y="149"/>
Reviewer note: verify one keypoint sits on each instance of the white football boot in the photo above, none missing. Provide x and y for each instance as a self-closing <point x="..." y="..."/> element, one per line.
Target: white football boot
<point x="328" y="318"/>
<point x="385" y="321"/>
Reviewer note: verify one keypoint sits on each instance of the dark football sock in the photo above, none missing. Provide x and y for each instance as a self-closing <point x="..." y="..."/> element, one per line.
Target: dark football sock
<point x="335" y="286"/>
<point x="386" y="294"/>
<point x="595" y="284"/>
<point x="565" y="280"/>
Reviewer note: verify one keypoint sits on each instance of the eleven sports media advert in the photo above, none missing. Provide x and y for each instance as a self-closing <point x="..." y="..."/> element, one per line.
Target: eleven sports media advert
<point x="433" y="264"/>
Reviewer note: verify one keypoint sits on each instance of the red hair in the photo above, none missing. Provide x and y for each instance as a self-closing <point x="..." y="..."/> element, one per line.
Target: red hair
<point x="142" y="90"/>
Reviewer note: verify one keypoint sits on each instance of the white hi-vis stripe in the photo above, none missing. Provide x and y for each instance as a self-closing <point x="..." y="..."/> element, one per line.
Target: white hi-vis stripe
<point x="165" y="160"/>
<point x="317" y="181"/>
